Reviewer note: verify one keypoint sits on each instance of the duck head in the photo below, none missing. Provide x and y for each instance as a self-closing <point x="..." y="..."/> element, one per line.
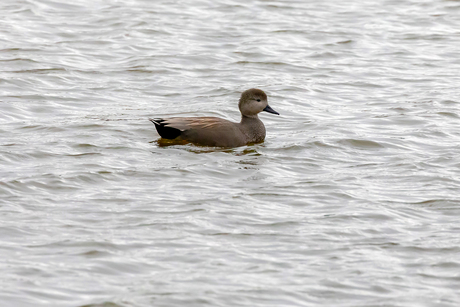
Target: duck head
<point x="254" y="101"/>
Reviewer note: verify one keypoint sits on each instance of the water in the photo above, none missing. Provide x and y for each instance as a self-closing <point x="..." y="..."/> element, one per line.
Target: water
<point x="352" y="200"/>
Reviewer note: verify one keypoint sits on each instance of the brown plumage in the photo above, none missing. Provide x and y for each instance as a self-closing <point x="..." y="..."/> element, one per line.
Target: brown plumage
<point x="214" y="131"/>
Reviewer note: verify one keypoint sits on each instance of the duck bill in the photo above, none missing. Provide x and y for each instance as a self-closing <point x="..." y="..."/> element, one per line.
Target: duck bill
<point x="270" y="110"/>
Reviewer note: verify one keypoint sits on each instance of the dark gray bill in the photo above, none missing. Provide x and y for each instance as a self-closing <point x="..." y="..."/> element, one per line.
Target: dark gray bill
<point x="270" y="110"/>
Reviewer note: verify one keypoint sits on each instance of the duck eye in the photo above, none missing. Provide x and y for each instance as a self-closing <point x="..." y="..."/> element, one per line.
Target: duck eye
<point x="258" y="100"/>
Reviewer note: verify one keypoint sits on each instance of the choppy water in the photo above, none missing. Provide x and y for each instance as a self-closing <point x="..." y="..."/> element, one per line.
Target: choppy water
<point x="353" y="199"/>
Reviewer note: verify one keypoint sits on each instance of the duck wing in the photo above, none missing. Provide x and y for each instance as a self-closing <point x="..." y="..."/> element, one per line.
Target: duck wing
<point x="207" y="131"/>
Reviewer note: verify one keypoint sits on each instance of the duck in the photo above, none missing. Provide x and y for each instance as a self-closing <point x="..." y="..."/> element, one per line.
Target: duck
<point x="219" y="132"/>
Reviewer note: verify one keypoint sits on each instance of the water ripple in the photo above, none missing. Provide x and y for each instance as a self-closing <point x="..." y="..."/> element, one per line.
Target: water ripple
<point x="351" y="200"/>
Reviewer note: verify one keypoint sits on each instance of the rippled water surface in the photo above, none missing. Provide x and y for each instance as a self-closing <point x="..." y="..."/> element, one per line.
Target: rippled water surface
<point x="352" y="200"/>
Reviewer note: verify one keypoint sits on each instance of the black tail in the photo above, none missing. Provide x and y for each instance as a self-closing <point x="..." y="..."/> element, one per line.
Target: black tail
<point x="164" y="131"/>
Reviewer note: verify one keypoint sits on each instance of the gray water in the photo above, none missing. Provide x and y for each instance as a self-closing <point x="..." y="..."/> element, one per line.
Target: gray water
<point x="352" y="200"/>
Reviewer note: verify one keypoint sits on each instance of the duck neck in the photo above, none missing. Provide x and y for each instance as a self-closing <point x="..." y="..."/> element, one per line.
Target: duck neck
<point x="249" y="118"/>
<point x="253" y="128"/>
